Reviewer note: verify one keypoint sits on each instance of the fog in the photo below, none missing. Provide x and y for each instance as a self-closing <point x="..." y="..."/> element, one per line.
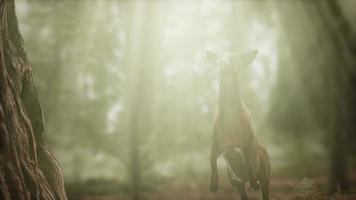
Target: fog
<point x="130" y="99"/>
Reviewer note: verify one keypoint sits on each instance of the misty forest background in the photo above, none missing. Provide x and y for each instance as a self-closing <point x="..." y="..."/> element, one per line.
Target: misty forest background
<point x="129" y="98"/>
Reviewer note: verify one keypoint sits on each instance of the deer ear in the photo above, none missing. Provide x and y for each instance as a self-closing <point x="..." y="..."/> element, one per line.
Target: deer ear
<point x="212" y="57"/>
<point x="247" y="57"/>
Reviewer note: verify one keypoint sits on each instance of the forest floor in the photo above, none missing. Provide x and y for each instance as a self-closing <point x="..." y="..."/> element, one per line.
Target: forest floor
<point x="282" y="187"/>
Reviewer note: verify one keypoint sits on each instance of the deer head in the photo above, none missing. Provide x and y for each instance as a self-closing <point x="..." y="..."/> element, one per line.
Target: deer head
<point x="230" y="64"/>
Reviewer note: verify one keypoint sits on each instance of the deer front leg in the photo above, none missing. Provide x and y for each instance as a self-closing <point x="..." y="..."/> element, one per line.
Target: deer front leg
<point x="214" y="154"/>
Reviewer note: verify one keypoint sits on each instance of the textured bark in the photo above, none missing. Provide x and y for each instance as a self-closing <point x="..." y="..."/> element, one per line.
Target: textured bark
<point x="28" y="169"/>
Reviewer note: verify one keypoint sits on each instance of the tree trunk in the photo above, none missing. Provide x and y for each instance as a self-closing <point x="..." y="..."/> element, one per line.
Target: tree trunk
<point x="28" y="169"/>
<point x="140" y="66"/>
<point x="332" y="68"/>
<point x="339" y="32"/>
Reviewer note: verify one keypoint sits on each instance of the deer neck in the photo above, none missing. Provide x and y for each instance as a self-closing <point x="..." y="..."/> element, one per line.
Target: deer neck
<point x="229" y="100"/>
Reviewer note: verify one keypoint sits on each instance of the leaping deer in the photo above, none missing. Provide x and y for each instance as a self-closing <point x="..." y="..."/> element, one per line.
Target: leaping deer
<point x="233" y="133"/>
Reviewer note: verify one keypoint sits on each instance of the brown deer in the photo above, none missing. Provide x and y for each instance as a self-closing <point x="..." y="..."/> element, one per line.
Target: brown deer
<point x="233" y="133"/>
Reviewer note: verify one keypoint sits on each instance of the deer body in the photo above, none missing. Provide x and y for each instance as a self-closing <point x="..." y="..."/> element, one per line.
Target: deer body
<point x="233" y="130"/>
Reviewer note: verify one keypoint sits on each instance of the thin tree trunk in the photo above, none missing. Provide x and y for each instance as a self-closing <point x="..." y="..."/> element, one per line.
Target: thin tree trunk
<point x="140" y="66"/>
<point x="28" y="169"/>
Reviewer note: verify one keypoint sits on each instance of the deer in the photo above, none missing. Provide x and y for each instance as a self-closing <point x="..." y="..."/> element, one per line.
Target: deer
<point x="233" y="134"/>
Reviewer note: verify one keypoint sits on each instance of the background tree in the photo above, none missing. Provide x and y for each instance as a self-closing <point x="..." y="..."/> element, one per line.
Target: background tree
<point x="330" y="111"/>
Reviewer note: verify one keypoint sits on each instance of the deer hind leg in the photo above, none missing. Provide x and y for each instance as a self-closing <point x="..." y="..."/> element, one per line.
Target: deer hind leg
<point x="236" y="171"/>
<point x="249" y="163"/>
<point x="241" y="185"/>
<point x="264" y="180"/>
<point x="265" y="189"/>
